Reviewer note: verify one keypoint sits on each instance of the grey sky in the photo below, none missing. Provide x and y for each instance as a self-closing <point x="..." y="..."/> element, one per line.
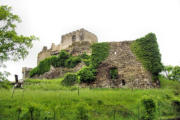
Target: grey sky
<point x="110" y="20"/>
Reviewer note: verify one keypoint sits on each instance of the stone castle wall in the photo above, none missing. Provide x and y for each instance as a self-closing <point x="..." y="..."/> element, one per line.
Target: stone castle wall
<point x="131" y="73"/>
<point x="67" y="40"/>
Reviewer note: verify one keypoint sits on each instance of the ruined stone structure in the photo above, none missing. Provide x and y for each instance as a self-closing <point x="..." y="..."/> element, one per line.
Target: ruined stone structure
<point x="67" y="40"/>
<point x="131" y="73"/>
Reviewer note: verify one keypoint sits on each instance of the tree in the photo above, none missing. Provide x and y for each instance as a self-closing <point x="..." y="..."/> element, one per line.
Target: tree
<point x="168" y="71"/>
<point x="12" y="46"/>
<point x="172" y="72"/>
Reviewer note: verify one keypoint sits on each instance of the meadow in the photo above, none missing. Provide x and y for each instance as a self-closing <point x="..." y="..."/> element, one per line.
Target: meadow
<point x="49" y="100"/>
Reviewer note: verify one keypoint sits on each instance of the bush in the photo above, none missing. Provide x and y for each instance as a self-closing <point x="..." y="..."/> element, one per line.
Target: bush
<point x="113" y="73"/>
<point x="87" y="61"/>
<point x="43" y="66"/>
<point x="87" y="75"/>
<point x="100" y="52"/>
<point x="5" y="84"/>
<point x="62" y="57"/>
<point x="72" y="61"/>
<point x="56" y="61"/>
<point x="147" y="51"/>
<point x="149" y="109"/>
<point x="69" y="79"/>
<point x="84" y="56"/>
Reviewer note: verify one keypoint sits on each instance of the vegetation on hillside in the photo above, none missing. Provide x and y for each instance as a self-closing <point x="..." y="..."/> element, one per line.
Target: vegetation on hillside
<point x="64" y="59"/>
<point x="172" y="72"/>
<point x="48" y="99"/>
<point x="147" y="51"/>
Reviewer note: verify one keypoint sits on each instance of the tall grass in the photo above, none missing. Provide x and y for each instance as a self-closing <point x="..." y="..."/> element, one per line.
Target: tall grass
<point x="48" y="99"/>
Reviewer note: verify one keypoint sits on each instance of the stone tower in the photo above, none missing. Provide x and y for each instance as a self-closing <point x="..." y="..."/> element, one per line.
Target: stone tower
<point x="67" y="40"/>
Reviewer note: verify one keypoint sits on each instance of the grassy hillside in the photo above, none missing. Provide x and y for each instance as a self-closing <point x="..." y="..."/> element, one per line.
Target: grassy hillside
<point x="49" y="100"/>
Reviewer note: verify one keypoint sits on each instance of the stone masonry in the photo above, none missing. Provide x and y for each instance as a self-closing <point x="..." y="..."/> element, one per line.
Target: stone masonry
<point x="131" y="73"/>
<point x="68" y="40"/>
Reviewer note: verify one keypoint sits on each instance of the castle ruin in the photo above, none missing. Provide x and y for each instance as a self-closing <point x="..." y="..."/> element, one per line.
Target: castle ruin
<point x="131" y="72"/>
<point x="67" y="40"/>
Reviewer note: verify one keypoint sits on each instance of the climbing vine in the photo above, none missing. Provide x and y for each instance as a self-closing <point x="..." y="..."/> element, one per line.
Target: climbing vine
<point x="147" y="52"/>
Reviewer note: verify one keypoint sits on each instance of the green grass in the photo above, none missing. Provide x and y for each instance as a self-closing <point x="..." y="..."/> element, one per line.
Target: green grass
<point x="50" y="100"/>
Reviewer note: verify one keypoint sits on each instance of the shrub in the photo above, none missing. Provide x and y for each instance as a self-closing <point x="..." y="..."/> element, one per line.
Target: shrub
<point x="113" y="73"/>
<point x="5" y="84"/>
<point x="69" y="79"/>
<point x="43" y="66"/>
<point x="72" y="61"/>
<point x="62" y="57"/>
<point x="87" y="75"/>
<point x="176" y="106"/>
<point x="147" y="51"/>
<point x="149" y="109"/>
<point x="87" y="61"/>
<point x="84" y="56"/>
<point x="100" y="52"/>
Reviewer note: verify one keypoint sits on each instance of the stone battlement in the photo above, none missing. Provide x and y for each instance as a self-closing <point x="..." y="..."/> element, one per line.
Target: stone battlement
<point x="67" y="40"/>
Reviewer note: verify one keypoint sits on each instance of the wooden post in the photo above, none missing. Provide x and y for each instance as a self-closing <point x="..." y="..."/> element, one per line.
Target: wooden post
<point x="78" y="90"/>
<point x="16" y="78"/>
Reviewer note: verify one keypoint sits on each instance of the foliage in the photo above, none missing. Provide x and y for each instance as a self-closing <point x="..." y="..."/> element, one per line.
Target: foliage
<point x="100" y="52"/>
<point x="5" y="84"/>
<point x="172" y="72"/>
<point x="81" y="113"/>
<point x="72" y="61"/>
<point x="87" y="75"/>
<point x="12" y="45"/>
<point x="43" y="66"/>
<point x="113" y="73"/>
<point x="147" y="51"/>
<point x="168" y="71"/>
<point x="69" y="79"/>
<point x="64" y="59"/>
<point x="84" y="56"/>
<point x="4" y="75"/>
<point x="150" y="109"/>
<point x="49" y="99"/>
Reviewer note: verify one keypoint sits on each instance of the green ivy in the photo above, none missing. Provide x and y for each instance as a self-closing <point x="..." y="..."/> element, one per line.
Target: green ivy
<point x="64" y="59"/>
<point x="147" y="51"/>
<point x="100" y="52"/>
<point x="72" y="61"/>
<point x="113" y="73"/>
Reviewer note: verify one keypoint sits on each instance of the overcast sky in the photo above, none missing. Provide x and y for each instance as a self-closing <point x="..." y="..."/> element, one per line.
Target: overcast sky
<point x="110" y="20"/>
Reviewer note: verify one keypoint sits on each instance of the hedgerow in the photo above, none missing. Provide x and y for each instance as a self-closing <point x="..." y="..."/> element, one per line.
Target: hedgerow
<point x="147" y="51"/>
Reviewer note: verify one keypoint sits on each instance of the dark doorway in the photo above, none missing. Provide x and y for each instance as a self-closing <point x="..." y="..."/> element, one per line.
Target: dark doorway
<point x="123" y="82"/>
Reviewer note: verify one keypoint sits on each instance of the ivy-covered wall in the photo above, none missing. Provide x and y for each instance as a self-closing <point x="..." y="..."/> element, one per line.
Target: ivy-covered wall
<point x="147" y="52"/>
